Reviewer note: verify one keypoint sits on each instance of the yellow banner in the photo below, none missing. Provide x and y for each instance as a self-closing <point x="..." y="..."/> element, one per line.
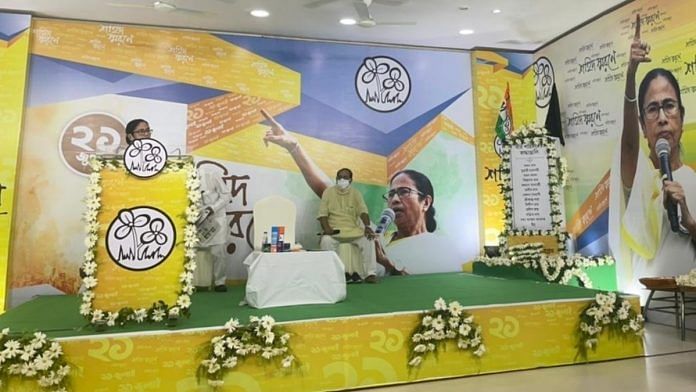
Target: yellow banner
<point x="491" y="76"/>
<point x="402" y="156"/>
<point x="249" y="148"/>
<point x="135" y="211"/>
<point x="200" y="59"/>
<point x="341" y="353"/>
<point x="14" y="54"/>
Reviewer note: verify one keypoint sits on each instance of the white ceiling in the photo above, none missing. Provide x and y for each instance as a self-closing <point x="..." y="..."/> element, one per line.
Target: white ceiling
<point x="522" y="24"/>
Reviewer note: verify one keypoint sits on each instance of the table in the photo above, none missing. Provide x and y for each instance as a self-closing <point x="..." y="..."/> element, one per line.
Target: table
<point x="679" y="301"/>
<point x="294" y="278"/>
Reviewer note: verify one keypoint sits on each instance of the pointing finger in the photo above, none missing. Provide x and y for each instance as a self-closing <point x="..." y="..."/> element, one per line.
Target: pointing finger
<point x="269" y="117"/>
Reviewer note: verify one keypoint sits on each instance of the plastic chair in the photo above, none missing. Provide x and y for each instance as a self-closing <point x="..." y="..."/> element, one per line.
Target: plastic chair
<point x="274" y="211"/>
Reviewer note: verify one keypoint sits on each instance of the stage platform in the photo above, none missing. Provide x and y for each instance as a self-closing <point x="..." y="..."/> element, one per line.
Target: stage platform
<point x="360" y="342"/>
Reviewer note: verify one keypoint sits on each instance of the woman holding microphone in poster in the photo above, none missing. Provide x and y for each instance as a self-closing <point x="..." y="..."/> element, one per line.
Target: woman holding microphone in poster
<point x="414" y="248"/>
<point x="658" y="188"/>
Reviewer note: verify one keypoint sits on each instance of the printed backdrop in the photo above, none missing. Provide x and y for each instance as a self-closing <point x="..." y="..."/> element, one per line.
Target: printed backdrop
<point x="589" y="68"/>
<point x="376" y="110"/>
<point x="494" y="72"/>
<point x="14" y="52"/>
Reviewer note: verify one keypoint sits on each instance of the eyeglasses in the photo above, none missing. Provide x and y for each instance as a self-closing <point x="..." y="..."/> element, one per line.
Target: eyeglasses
<point x="669" y="106"/>
<point x="143" y="131"/>
<point x="402" y="192"/>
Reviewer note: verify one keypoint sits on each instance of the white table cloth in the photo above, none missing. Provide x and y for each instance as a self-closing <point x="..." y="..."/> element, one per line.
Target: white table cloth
<point x="294" y="278"/>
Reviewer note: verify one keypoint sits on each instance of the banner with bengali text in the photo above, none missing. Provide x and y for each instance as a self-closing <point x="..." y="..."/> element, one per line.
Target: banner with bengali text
<point x="14" y="56"/>
<point x="589" y="69"/>
<point x="377" y="110"/>
<point x="492" y="73"/>
<point x="342" y="353"/>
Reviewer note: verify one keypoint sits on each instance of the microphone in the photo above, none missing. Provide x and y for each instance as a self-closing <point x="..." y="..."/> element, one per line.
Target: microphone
<point x="663" y="149"/>
<point x="385" y="220"/>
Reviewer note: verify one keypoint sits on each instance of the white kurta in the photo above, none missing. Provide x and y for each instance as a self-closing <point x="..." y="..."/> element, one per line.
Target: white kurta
<point x="425" y="253"/>
<point x="216" y="196"/>
<point x="645" y="234"/>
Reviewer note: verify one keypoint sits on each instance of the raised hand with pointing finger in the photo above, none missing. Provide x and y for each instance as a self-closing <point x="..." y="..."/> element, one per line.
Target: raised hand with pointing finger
<point x="317" y="180"/>
<point x="630" y="135"/>
<point x="639" y="50"/>
<point x="277" y="134"/>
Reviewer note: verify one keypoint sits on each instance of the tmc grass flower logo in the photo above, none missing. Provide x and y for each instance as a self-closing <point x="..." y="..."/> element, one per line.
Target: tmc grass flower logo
<point x="140" y="238"/>
<point x="145" y="158"/>
<point x="382" y="83"/>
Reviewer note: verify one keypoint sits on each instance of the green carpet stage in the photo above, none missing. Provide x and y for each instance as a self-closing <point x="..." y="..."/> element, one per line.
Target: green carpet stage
<point x="359" y="342"/>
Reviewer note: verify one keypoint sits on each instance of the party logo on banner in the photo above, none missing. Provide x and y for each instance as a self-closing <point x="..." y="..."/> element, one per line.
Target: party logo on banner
<point x="382" y="83"/>
<point x="87" y="135"/>
<point x="140" y="238"/>
<point x="543" y="81"/>
<point x="145" y="158"/>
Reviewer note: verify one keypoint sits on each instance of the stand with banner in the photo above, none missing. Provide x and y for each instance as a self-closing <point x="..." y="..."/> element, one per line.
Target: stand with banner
<point x="534" y="243"/>
<point x="533" y="179"/>
<point x="534" y="196"/>
<point x="141" y="236"/>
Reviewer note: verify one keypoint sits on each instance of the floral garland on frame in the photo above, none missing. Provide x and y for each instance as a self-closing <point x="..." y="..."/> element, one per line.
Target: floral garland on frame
<point x="436" y="327"/>
<point x="610" y="312"/>
<point x="558" y="173"/>
<point x="159" y="311"/>
<point x="555" y="268"/>
<point x="560" y="268"/>
<point x="33" y="356"/>
<point x="561" y="237"/>
<point x="260" y="338"/>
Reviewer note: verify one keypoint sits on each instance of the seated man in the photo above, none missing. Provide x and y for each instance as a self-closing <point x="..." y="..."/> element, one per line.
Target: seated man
<point x="341" y="206"/>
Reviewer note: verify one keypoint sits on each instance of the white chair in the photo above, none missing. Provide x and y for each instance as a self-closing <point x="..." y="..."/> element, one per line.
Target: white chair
<point x="274" y="211"/>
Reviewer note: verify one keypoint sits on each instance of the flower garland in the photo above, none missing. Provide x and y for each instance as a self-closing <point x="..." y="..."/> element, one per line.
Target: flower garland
<point x="555" y="268"/>
<point x="559" y="268"/>
<point x="526" y="251"/>
<point x="538" y="136"/>
<point x="446" y="322"/>
<point x="561" y="237"/>
<point x="158" y="311"/>
<point x="611" y="312"/>
<point x="240" y="342"/>
<point x="688" y="279"/>
<point x="33" y="356"/>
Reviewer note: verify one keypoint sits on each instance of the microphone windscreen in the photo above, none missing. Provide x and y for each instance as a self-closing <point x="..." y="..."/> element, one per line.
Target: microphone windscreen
<point x="662" y="147"/>
<point x="388" y="212"/>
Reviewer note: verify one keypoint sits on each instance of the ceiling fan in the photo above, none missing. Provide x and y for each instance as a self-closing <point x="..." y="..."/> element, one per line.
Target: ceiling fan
<point x="161" y="6"/>
<point x="366" y="19"/>
<point x="319" y="3"/>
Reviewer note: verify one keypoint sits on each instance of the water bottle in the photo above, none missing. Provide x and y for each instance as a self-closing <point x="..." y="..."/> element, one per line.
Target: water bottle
<point x="265" y="245"/>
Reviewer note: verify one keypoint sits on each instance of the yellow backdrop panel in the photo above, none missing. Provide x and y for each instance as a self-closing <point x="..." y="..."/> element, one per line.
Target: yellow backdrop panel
<point x="13" y="73"/>
<point x="119" y="287"/>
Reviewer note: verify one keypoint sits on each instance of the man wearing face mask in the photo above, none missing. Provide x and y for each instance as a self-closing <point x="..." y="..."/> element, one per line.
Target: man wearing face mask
<point x="341" y="207"/>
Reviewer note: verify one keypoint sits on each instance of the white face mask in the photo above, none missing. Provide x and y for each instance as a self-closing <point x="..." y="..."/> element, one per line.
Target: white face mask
<point x="343" y="183"/>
